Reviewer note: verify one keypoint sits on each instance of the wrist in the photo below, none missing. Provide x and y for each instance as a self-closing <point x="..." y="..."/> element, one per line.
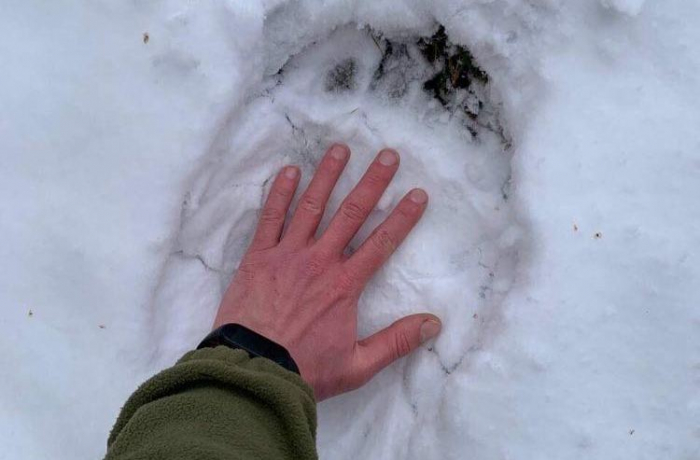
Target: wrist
<point x="239" y="337"/>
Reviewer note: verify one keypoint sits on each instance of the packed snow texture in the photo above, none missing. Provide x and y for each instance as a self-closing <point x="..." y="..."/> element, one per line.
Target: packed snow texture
<point x="560" y="246"/>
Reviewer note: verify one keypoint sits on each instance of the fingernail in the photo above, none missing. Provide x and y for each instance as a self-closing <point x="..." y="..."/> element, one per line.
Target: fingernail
<point x="429" y="329"/>
<point x="418" y="196"/>
<point x="388" y="157"/>
<point x="339" y="152"/>
<point x="290" y="172"/>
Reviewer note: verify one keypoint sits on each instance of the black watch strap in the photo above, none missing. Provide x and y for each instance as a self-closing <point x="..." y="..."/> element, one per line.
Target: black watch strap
<point x="241" y="338"/>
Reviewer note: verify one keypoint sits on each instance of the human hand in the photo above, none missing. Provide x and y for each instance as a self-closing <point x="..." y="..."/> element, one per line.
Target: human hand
<point x="302" y="292"/>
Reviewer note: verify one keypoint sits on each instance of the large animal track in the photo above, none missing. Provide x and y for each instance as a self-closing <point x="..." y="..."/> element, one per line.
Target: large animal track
<point x="439" y="111"/>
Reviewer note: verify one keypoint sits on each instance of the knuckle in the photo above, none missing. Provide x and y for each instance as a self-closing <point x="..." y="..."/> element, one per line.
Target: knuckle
<point x="272" y="215"/>
<point x="374" y="178"/>
<point x="353" y="210"/>
<point x="406" y="212"/>
<point x="384" y="241"/>
<point x="311" y="204"/>
<point x="314" y="266"/>
<point x="401" y="345"/>
<point x="347" y="281"/>
<point x="281" y="192"/>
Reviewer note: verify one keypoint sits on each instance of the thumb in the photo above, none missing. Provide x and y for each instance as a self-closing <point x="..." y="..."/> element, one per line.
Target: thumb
<point x="401" y="338"/>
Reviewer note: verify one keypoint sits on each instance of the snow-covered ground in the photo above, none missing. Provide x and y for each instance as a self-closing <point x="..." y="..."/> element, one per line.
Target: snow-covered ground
<point x="560" y="248"/>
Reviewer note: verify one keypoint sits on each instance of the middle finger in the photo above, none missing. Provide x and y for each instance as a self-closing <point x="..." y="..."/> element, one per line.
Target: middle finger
<point x="357" y="206"/>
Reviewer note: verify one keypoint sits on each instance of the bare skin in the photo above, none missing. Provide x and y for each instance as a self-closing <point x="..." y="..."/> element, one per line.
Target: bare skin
<point x="301" y="290"/>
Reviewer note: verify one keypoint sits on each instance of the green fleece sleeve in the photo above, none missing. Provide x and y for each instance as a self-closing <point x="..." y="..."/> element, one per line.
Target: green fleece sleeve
<point x="216" y="404"/>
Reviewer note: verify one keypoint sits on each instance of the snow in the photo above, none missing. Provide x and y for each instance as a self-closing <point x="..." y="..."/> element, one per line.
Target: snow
<point x="560" y="250"/>
<point x="629" y="7"/>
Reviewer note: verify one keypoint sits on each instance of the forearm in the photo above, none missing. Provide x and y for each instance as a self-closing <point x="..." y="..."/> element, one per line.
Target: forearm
<point x="218" y="404"/>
